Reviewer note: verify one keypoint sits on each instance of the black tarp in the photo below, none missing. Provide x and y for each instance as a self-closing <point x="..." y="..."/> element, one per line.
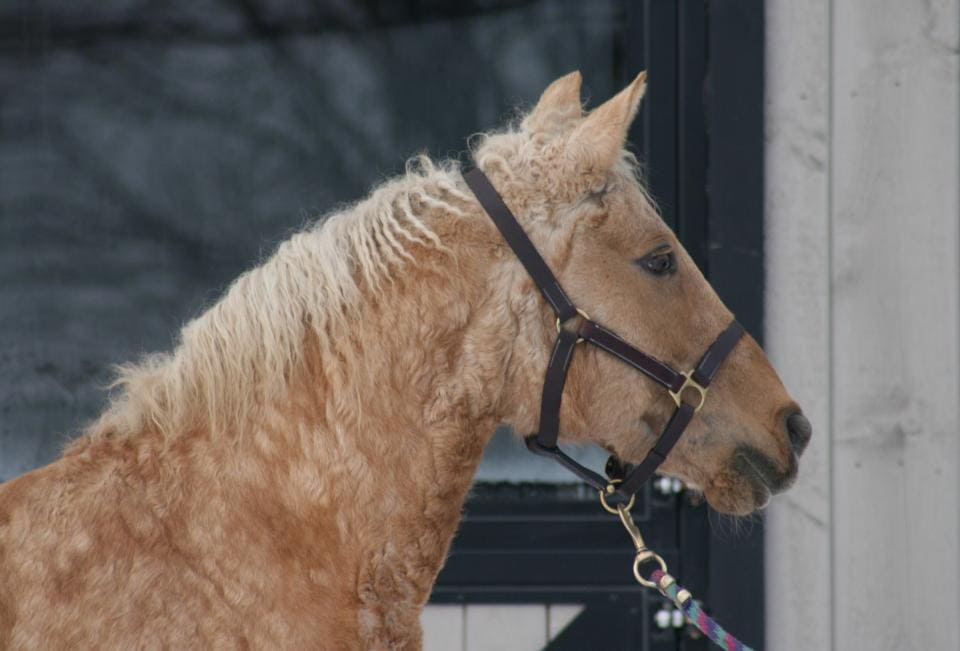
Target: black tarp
<point x="149" y="152"/>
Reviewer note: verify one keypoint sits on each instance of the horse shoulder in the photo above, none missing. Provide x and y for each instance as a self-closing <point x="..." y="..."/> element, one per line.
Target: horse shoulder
<point x="66" y="543"/>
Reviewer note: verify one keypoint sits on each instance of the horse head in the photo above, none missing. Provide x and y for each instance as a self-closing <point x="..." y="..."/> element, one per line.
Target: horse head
<point x="578" y="196"/>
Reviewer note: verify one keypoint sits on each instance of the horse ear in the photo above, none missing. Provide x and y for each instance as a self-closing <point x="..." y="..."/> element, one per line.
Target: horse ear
<point x="596" y="143"/>
<point x="558" y="105"/>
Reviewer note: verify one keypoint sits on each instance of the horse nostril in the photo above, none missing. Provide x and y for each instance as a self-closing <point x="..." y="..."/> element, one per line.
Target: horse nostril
<point x="798" y="432"/>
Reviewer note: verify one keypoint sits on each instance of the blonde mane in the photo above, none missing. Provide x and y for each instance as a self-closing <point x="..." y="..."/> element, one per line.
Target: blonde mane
<point x="242" y="351"/>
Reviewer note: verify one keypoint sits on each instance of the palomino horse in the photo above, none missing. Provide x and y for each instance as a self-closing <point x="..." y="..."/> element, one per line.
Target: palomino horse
<point x="292" y="474"/>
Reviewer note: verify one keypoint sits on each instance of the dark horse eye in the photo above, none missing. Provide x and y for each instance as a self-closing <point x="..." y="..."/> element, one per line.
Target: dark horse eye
<point x="659" y="263"/>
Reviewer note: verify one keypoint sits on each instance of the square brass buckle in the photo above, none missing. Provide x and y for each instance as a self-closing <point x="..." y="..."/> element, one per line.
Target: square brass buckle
<point x="689" y="383"/>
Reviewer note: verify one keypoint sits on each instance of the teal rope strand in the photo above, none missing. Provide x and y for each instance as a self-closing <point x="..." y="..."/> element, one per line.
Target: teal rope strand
<point x="695" y="613"/>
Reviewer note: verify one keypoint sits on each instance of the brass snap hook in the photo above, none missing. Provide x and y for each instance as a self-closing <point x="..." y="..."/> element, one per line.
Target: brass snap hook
<point x="644" y="554"/>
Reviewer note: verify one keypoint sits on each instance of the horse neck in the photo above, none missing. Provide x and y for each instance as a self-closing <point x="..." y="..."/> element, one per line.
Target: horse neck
<point x="384" y="437"/>
<point x="369" y="449"/>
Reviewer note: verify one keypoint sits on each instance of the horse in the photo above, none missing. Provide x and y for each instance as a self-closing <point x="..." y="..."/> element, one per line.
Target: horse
<point x="292" y="474"/>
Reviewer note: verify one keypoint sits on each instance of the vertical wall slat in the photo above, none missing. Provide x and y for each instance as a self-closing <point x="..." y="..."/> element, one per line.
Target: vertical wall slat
<point x="895" y="304"/>
<point x="798" y="597"/>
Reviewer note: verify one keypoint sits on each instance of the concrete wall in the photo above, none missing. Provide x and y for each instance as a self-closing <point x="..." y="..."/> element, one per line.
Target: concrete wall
<point x="862" y="320"/>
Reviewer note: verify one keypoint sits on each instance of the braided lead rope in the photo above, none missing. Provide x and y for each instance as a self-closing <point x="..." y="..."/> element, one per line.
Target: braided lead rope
<point x="694" y="611"/>
<point x="662" y="581"/>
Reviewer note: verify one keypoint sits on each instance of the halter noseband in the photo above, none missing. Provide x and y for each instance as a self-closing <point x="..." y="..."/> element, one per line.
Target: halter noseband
<point x="688" y="390"/>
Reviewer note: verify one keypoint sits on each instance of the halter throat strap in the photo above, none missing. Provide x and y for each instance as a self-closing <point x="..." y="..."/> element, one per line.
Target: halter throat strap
<point x="688" y="390"/>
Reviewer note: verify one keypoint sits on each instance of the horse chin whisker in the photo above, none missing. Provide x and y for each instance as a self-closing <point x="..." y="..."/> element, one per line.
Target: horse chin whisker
<point x="729" y="527"/>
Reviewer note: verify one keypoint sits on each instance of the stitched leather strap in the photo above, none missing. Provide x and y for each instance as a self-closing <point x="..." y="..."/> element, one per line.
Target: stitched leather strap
<point x="553" y="383"/>
<point x="643" y="471"/>
<point x="596" y="480"/>
<point x="716" y="354"/>
<point x="544" y="441"/>
<point x="650" y="366"/>
<point x="524" y="249"/>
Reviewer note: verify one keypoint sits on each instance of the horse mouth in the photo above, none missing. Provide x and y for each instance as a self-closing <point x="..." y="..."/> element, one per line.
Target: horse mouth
<point x="765" y="478"/>
<point x="748" y="480"/>
<point x="746" y="483"/>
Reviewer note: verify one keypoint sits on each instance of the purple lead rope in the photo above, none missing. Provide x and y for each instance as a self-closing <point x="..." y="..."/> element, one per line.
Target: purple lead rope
<point x="695" y="613"/>
<point x="665" y="583"/>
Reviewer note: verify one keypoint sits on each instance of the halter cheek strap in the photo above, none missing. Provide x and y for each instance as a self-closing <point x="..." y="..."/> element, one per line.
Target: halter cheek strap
<point x="688" y="390"/>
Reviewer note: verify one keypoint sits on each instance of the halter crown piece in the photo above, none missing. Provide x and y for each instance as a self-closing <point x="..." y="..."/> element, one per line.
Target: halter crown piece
<point x="688" y="389"/>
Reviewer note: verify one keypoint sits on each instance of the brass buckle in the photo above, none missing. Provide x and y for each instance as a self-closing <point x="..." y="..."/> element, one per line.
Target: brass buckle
<point x="582" y="314"/>
<point x="689" y="383"/>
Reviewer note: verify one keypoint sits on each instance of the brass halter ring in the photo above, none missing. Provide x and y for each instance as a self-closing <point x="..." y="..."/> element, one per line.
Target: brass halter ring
<point x="614" y="510"/>
<point x="583" y="314"/>
<point x="689" y="383"/>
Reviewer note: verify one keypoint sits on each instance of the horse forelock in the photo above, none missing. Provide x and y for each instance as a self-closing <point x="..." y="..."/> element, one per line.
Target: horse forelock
<point x="243" y="351"/>
<point x="535" y="169"/>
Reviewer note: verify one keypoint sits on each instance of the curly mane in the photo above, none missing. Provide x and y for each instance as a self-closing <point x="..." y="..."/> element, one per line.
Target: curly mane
<point x="242" y="351"/>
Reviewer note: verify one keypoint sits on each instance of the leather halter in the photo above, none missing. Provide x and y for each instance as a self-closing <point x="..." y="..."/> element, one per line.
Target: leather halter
<point x="688" y="390"/>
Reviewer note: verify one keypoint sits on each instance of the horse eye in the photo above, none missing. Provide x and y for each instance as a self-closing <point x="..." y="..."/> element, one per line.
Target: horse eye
<point x="659" y="263"/>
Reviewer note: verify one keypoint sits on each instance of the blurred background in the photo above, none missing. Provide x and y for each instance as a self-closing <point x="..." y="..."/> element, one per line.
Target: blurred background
<point x="807" y="154"/>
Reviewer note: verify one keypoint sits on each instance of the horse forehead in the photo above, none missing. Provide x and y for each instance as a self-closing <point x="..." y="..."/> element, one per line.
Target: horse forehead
<point x="631" y="215"/>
